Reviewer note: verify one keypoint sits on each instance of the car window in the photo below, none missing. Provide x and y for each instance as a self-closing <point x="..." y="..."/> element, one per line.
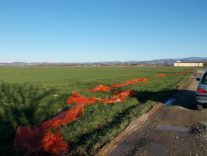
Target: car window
<point x="204" y="80"/>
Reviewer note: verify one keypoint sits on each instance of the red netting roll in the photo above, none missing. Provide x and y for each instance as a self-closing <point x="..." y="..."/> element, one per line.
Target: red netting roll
<point x="161" y="75"/>
<point x="180" y="73"/>
<point x="118" y="85"/>
<point x="30" y="138"/>
<point x="64" y="118"/>
<point x="54" y="143"/>
<point x="39" y="138"/>
<point x="77" y="98"/>
<point x="130" y="82"/>
<point x="135" y="81"/>
<point x="100" y="88"/>
<point x="119" y="97"/>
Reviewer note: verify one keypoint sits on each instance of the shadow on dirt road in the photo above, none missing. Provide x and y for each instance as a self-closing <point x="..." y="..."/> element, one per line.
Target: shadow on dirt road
<point x="183" y="98"/>
<point x="186" y="99"/>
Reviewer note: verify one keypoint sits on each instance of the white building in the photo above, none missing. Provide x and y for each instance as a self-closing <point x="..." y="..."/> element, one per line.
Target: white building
<point x="188" y="64"/>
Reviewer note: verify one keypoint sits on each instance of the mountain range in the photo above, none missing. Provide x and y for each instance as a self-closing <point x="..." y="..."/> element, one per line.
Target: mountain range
<point x="159" y="62"/>
<point x="172" y="61"/>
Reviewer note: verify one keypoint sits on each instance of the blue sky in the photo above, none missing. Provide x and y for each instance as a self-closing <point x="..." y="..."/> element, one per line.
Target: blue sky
<point x="101" y="30"/>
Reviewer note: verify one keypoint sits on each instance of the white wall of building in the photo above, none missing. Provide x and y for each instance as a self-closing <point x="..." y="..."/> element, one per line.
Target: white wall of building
<point x="182" y="64"/>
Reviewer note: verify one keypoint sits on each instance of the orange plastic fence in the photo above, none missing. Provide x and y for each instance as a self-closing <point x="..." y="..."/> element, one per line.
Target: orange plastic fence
<point x="184" y="72"/>
<point x="119" y="97"/>
<point x="104" y="88"/>
<point x="130" y="82"/>
<point x="54" y="143"/>
<point x="100" y="88"/>
<point x="39" y="138"/>
<point x="161" y="75"/>
<point x="117" y="85"/>
<point x="33" y="138"/>
<point x="77" y="98"/>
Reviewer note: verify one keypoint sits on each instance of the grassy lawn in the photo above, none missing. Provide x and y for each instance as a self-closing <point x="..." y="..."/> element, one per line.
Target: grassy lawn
<point x="30" y="95"/>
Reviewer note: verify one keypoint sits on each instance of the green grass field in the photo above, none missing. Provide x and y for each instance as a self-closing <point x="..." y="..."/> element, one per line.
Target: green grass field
<point x="30" y="95"/>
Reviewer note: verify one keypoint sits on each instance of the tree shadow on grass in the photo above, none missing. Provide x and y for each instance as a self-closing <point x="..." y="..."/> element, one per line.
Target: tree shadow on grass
<point x="23" y="105"/>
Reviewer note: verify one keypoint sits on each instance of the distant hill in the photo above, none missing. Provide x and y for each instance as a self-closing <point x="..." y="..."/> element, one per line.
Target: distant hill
<point x="157" y="62"/>
<point x="172" y="61"/>
<point x="169" y="61"/>
<point x="194" y="59"/>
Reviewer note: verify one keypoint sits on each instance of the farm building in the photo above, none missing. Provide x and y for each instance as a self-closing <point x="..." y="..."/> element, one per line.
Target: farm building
<point x="188" y="64"/>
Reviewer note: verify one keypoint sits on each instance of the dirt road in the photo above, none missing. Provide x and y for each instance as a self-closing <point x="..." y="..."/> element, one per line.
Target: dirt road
<point x="165" y="131"/>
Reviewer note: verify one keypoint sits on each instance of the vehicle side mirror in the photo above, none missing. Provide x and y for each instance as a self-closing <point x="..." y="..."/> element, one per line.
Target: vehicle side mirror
<point x="198" y="79"/>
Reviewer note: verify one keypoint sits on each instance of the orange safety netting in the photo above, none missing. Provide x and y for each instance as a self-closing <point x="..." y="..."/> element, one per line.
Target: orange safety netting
<point x="39" y="138"/>
<point x="119" y="97"/>
<point x="100" y="88"/>
<point x="118" y="85"/>
<point x="103" y="88"/>
<point x="130" y="82"/>
<point x="64" y="118"/>
<point x="77" y="98"/>
<point x="54" y="143"/>
<point x="123" y="95"/>
<point x="32" y="138"/>
<point x="161" y="75"/>
<point x="184" y="72"/>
